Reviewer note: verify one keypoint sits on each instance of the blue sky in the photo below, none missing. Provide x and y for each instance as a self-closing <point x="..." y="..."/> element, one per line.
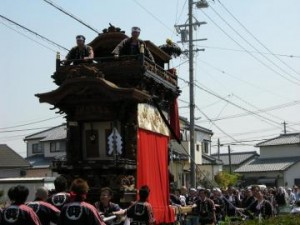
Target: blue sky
<point x="26" y="66"/>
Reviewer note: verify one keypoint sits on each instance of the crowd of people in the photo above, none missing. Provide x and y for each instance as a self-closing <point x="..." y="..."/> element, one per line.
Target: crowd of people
<point x="64" y="207"/>
<point x="212" y="206"/>
<point x="68" y="206"/>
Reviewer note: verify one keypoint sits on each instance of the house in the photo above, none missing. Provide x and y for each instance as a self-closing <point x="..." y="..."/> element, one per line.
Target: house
<point x="179" y="167"/>
<point x="11" y="163"/>
<point x="237" y="159"/>
<point x="278" y="164"/>
<point x="43" y="147"/>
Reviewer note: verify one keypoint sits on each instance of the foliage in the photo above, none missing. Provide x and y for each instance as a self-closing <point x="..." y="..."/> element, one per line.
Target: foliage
<point x="225" y="179"/>
<point x="279" y="220"/>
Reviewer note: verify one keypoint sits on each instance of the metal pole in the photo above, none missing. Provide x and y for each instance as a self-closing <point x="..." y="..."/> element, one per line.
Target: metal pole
<point x="284" y="127"/>
<point x="229" y="155"/>
<point x="192" y="100"/>
<point x="219" y="145"/>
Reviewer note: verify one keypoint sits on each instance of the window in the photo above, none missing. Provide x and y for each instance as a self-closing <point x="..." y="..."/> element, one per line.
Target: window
<point x="205" y="147"/>
<point x="58" y="146"/>
<point x="37" y="148"/>
<point x="198" y="147"/>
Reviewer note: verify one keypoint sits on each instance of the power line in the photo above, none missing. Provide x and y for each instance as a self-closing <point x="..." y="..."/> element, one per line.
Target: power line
<point x="265" y="119"/>
<point x="241" y="80"/>
<point x="289" y="104"/>
<point x="250" y="140"/>
<point x="31" y="123"/>
<point x="248" y="103"/>
<point x="28" y="37"/>
<point x="155" y="17"/>
<point x="269" y="60"/>
<point x="220" y="129"/>
<point x="35" y="33"/>
<point x="253" y="56"/>
<point x="241" y="50"/>
<point x="250" y="132"/>
<point x="252" y="35"/>
<point x="71" y="15"/>
<point x="249" y="112"/>
<point x="19" y="130"/>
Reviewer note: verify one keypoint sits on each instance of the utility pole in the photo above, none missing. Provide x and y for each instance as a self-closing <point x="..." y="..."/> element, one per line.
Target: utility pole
<point x="181" y="29"/>
<point x="192" y="97"/>
<point x="229" y="158"/>
<point x="284" y="127"/>
<point x="219" y="146"/>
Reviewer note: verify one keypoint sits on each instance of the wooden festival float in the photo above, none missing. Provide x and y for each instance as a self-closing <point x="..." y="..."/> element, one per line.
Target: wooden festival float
<point x="120" y="114"/>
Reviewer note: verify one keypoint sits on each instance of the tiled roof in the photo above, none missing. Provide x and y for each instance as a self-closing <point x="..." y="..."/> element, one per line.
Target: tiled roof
<point x="10" y="159"/>
<point x="55" y="133"/>
<point x="283" y="139"/>
<point x="209" y="160"/>
<point x="269" y="164"/>
<point x="39" y="161"/>
<point x="236" y="157"/>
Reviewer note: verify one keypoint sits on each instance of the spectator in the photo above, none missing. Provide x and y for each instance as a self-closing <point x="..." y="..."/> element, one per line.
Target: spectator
<point x="77" y="211"/>
<point x="60" y="197"/>
<point x="18" y="213"/>
<point x="45" y="211"/>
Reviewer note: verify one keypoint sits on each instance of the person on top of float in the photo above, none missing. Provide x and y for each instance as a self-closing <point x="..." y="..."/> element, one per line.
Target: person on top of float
<point x="132" y="45"/>
<point x="80" y="53"/>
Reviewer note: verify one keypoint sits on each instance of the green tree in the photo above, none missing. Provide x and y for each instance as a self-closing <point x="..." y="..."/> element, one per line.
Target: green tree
<point x="225" y="179"/>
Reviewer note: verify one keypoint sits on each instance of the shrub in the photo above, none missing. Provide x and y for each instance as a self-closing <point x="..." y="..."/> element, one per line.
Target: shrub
<point x="279" y="220"/>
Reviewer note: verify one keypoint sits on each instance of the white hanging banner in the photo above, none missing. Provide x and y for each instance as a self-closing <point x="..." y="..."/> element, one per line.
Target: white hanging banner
<point x="115" y="142"/>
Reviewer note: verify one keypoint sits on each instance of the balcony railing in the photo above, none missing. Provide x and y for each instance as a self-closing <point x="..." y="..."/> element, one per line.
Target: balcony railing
<point x="113" y="63"/>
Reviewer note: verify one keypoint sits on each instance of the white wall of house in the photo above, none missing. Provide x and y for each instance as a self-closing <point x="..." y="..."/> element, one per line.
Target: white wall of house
<point x="280" y="151"/>
<point x="54" y="148"/>
<point x="45" y="148"/>
<point x="31" y="147"/>
<point x="291" y="174"/>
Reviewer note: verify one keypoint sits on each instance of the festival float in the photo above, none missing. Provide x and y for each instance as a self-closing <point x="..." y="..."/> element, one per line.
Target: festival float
<point x="120" y="114"/>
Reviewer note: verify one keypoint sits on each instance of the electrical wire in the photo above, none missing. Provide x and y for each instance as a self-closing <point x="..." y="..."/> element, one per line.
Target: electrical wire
<point x="252" y="55"/>
<point x="19" y="130"/>
<point x="241" y="50"/>
<point x="241" y="80"/>
<point x="31" y="123"/>
<point x="265" y="119"/>
<point x="289" y="104"/>
<point x="35" y="33"/>
<point x="252" y="35"/>
<point x="250" y="44"/>
<point x="71" y="15"/>
<point x="39" y="43"/>
<point x="255" y="107"/>
<point x="153" y="16"/>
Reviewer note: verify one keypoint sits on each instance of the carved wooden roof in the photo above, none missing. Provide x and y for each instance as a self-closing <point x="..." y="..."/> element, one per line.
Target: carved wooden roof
<point x="91" y="89"/>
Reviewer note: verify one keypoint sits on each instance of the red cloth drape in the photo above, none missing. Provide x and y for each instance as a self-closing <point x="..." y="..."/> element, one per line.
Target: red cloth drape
<point x="174" y="119"/>
<point x="153" y="171"/>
